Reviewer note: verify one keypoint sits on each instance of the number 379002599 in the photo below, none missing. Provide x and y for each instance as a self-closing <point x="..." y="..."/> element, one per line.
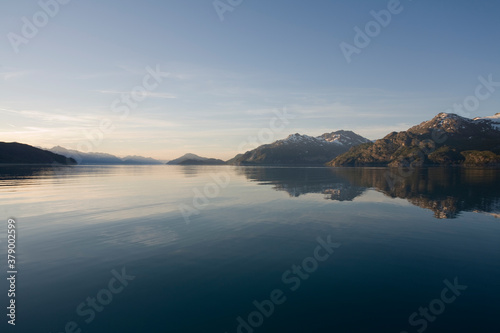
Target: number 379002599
<point x="11" y="246"/>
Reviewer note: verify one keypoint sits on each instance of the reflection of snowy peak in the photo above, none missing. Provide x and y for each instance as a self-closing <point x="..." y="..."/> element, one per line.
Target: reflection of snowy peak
<point x="446" y="191"/>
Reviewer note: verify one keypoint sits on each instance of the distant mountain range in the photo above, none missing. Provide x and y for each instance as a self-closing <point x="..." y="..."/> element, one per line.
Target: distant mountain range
<point x="103" y="159"/>
<point x="300" y="149"/>
<point x="192" y="159"/>
<point x="18" y="153"/>
<point x="447" y="139"/>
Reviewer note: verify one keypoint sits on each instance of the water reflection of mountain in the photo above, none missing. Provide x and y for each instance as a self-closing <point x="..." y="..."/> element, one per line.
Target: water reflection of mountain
<point x="16" y="175"/>
<point x="300" y="181"/>
<point x="445" y="191"/>
<point x="21" y="174"/>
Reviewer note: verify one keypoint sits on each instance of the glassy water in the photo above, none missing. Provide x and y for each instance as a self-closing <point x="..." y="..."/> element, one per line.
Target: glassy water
<point x="253" y="249"/>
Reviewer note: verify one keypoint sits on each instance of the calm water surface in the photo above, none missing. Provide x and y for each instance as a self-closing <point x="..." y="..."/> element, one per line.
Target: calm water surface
<point x="204" y="243"/>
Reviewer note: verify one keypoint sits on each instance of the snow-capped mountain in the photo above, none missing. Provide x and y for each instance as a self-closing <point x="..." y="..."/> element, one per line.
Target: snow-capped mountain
<point x="446" y="139"/>
<point x="453" y="123"/>
<point x="494" y="121"/>
<point x="301" y="149"/>
<point x="346" y="138"/>
<point x="342" y="138"/>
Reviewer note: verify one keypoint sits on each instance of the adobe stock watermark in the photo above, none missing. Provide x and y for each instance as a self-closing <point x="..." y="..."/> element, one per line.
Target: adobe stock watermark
<point x="88" y="309"/>
<point x="31" y="27"/>
<point x="12" y="270"/>
<point x="223" y="6"/>
<point x="484" y="90"/>
<point x="408" y="167"/>
<point x="277" y="124"/>
<point x="372" y="29"/>
<point x="471" y="103"/>
<point x="292" y="278"/>
<point x="121" y="106"/>
<point x="211" y="190"/>
<point x="201" y="198"/>
<point x="426" y="315"/>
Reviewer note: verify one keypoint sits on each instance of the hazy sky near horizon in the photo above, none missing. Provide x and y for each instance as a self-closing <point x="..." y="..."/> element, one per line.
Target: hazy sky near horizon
<point x="226" y="79"/>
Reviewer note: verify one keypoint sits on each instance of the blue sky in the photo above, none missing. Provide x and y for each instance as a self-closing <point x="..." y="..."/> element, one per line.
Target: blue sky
<point x="227" y="78"/>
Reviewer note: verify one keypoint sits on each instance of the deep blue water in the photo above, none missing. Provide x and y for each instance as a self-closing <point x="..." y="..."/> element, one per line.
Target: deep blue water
<point x="199" y="261"/>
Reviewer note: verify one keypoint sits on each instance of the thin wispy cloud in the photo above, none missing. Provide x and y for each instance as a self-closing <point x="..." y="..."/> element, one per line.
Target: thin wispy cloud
<point x="221" y="83"/>
<point x="145" y="94"/>
<point x="12" y="74"/>
<point x="50" y="117"/>
<point x="99" y="75"/>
